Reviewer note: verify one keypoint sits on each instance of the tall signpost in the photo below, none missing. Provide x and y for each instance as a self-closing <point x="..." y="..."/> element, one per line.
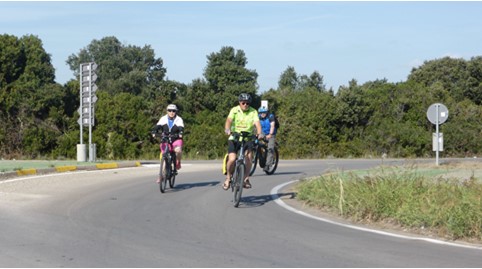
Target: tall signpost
<point x="437" y="114"/>
<point x="87" y="109"/>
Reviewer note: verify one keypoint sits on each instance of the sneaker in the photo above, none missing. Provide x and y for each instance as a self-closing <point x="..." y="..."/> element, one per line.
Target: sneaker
<point x="158" y="181"/>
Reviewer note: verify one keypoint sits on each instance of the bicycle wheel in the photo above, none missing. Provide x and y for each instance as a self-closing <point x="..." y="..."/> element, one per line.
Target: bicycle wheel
<point x="172" y="178"/>
<point x="274" y="165"/>
<point x="254" y="163"/>
<point x="238" y="184"/>
<point x="164" y="173"/>
<point x="263" y="153"/>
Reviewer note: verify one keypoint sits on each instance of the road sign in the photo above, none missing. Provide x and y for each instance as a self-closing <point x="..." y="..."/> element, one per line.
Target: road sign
<point x="437" y="114"/>
<point x="88" y="99"/>
<point x="264" y="103"/>
<point x="443" y="113"/>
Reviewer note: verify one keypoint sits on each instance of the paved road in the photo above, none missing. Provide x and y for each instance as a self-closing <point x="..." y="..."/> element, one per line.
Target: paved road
<point x="118" y="218"/>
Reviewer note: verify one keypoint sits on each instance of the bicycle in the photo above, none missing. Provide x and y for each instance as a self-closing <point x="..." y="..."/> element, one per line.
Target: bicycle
<point x="167" y="170"/>
<point x="260" y="156"/>
<point x="237" y="178"/>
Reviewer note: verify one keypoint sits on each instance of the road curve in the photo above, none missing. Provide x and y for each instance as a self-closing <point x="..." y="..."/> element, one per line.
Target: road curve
<point x="118" y="218"/>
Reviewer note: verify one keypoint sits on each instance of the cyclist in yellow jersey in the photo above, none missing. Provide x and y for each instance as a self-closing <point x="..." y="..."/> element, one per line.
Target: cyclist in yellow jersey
<point x="242" y="118"/>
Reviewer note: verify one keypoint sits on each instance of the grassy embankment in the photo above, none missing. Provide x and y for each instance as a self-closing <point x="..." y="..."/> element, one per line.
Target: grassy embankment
<point x="438" y="202"/>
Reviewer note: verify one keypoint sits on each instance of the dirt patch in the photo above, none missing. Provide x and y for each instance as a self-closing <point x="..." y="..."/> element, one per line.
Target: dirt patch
<point x="463" y="170"/>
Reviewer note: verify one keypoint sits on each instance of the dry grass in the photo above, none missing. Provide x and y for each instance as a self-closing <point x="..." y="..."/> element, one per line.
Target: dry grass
<point x="442" y="201"/>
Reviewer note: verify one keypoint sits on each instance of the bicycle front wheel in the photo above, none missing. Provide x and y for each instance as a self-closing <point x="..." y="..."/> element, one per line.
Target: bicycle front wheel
<point x="164" y="173"/>
<point x="172" y="178"/>
<point x="274" y="164"/>
<point x="238" y="184"/>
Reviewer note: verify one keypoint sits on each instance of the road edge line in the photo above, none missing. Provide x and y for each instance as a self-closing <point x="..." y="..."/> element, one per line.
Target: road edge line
<point x="276" y="198"/>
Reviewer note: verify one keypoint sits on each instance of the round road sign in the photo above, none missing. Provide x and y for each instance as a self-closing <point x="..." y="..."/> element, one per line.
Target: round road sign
<point x="443" y="113"/>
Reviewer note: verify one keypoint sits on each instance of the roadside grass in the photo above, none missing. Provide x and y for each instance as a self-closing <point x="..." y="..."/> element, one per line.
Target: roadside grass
<point x="419" y="200"/>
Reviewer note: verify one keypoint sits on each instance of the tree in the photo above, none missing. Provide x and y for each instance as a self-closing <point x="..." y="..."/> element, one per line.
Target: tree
<point x="121" y="68"/>
<point x="452" y="75"/>
<point x="30" y="101"/>
<point x="12" y="59"/>
<point x="288" y="80"/>
<point x="473" y="90"/>
<point x="227" y="77"/>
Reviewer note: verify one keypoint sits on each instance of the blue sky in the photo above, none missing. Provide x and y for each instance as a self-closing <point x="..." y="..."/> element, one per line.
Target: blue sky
<point x="341" y="40"/>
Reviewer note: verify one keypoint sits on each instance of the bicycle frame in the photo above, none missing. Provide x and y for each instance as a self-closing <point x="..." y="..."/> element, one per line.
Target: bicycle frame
<point x="237" y="178"/>
<point x="168" y="161"/>
<point x="260" y="156"/>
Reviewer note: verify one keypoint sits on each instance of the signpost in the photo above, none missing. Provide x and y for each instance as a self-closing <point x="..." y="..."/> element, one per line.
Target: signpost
<point x="87" y="109"/>
<point x="437" y="114"/>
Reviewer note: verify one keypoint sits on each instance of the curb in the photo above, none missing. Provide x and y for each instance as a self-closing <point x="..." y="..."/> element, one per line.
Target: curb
<point x="67" y="168"/>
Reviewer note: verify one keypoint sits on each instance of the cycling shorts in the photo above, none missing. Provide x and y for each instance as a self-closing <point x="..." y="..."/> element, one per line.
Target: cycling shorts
<point x="233" y="146"/>
<point x="176" y="144"/>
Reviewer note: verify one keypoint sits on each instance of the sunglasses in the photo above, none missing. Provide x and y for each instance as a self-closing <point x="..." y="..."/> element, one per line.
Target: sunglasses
<point x="170" y="110"/>
<point x="244" y="103"/>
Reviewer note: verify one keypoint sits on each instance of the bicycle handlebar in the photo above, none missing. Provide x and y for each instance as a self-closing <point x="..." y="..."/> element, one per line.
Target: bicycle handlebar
<point x="168" y="137"/>
<point x="243" y="135"/>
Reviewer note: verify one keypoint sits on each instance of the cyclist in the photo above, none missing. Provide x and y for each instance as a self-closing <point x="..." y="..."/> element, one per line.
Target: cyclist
<point x="269" y="130"/>
<point x="172" y="124"/>
<point x="241" y="118"/>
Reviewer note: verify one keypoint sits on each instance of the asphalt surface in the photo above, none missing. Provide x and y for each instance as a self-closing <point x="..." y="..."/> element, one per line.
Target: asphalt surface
<point x="119" y="218"/>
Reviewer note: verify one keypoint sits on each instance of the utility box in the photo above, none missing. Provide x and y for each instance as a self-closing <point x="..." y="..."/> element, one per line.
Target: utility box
<point x="81" y="152"/>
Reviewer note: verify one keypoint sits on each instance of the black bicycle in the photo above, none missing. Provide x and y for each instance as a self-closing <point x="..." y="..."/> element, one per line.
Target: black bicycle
<point x="167" y="170"/>
<point x="260" y="156"/>
<point x="237" y="178"/>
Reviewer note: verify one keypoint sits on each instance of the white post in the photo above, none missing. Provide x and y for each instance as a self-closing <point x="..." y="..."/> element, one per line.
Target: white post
<point x="81" y="120"/>
<point x="436" y="131"/>
<point x="91" y="151"/>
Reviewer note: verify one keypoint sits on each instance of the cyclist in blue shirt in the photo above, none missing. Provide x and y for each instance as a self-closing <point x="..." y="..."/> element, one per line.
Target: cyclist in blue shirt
<point x="269" y="130"/>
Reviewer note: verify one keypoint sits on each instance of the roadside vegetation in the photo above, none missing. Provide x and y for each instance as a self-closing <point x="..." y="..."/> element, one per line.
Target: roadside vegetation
<point x="39" y="116"/>
<point x="377" y="118"/>
<point x="433" y="201"/>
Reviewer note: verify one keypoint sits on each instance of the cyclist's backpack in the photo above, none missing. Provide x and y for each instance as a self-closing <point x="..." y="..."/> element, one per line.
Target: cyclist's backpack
<point x="276" y="122"/>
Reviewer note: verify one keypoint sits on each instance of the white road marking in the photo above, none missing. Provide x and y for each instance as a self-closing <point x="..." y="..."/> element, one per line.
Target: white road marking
<point x="274" y="194"/>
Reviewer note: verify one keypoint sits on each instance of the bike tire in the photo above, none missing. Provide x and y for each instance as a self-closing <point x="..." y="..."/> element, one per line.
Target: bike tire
<point x="164" y="173"/>
<point x="263" y="154"/>
<point x="238" y="184"/>
<point x="172" y="179"/>
<point x="273" y="167"/>
<point x="254" y="163"/>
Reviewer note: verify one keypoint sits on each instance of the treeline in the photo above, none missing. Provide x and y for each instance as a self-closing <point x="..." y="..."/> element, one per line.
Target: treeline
<point x="39" y="116"/>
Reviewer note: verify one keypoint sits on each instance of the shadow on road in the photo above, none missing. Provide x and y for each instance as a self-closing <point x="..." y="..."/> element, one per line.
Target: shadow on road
<point x="278" y="173"/>
<point x="255" y="201"/>
<point x="186" y="186"/>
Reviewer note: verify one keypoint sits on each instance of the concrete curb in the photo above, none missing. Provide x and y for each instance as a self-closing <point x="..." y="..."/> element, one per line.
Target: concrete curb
<point x="67" y="168"/>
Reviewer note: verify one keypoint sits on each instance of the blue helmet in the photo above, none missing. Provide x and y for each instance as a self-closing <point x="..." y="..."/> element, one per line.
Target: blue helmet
<point x="262" y="110"/>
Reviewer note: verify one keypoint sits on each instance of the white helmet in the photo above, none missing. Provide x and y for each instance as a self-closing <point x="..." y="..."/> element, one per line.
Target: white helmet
<point x="172" y="107"/>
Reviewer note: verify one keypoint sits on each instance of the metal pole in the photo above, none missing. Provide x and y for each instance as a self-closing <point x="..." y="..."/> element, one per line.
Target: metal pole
<point x="81" y="120"/>
<point x="437" y="134"/>
<point x="91" y="156"/>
